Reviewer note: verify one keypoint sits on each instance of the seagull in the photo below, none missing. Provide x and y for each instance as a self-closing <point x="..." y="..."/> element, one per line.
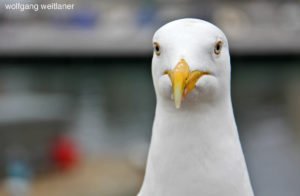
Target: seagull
<point x="195" y="148"/>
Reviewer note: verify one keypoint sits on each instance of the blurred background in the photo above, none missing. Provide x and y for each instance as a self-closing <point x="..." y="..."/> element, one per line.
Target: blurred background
<point x="77" y="101"/>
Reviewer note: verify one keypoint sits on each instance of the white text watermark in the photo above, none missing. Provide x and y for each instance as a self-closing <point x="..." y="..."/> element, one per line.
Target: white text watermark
<point x="36" y="7"/>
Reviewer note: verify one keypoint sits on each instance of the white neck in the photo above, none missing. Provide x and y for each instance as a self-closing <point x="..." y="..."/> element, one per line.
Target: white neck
<point x="196" y="151"/>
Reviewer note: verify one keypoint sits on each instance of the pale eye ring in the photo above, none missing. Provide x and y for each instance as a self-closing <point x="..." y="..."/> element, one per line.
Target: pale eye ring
<point x="218" y="47"/>
<point x="156" y="47"/>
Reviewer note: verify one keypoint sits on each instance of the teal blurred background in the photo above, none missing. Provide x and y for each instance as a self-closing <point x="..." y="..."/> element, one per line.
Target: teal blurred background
<point x="77" y="101"/>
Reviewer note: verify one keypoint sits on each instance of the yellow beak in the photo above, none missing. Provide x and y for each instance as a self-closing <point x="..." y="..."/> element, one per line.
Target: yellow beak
<point x="183" y="81"/>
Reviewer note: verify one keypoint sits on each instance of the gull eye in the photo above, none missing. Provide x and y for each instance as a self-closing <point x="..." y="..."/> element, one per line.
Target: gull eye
<point x="218" y="47"/>
<point x="156" y="47"/>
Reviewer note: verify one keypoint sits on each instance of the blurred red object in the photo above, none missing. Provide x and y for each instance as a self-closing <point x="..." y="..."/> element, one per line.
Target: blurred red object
<point x="65" y="153"/>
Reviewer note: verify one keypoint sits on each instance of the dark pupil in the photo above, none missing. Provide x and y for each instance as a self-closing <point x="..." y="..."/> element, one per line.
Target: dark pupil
<point x="218" y="46"/>
<point x="156" y="48"/>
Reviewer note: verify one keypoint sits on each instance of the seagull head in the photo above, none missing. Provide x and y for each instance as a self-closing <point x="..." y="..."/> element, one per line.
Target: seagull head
<point x="191" y="62"/>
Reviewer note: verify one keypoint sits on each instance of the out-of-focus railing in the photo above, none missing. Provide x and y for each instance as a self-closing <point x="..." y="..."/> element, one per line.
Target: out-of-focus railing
<point x="113" y="28"/>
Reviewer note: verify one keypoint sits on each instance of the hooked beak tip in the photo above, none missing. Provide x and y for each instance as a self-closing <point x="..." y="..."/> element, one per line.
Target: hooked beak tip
<point x="183" y="81"/>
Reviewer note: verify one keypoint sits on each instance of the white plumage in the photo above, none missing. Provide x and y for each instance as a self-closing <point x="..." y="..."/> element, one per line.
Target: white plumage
<point x="195" y="148"/>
